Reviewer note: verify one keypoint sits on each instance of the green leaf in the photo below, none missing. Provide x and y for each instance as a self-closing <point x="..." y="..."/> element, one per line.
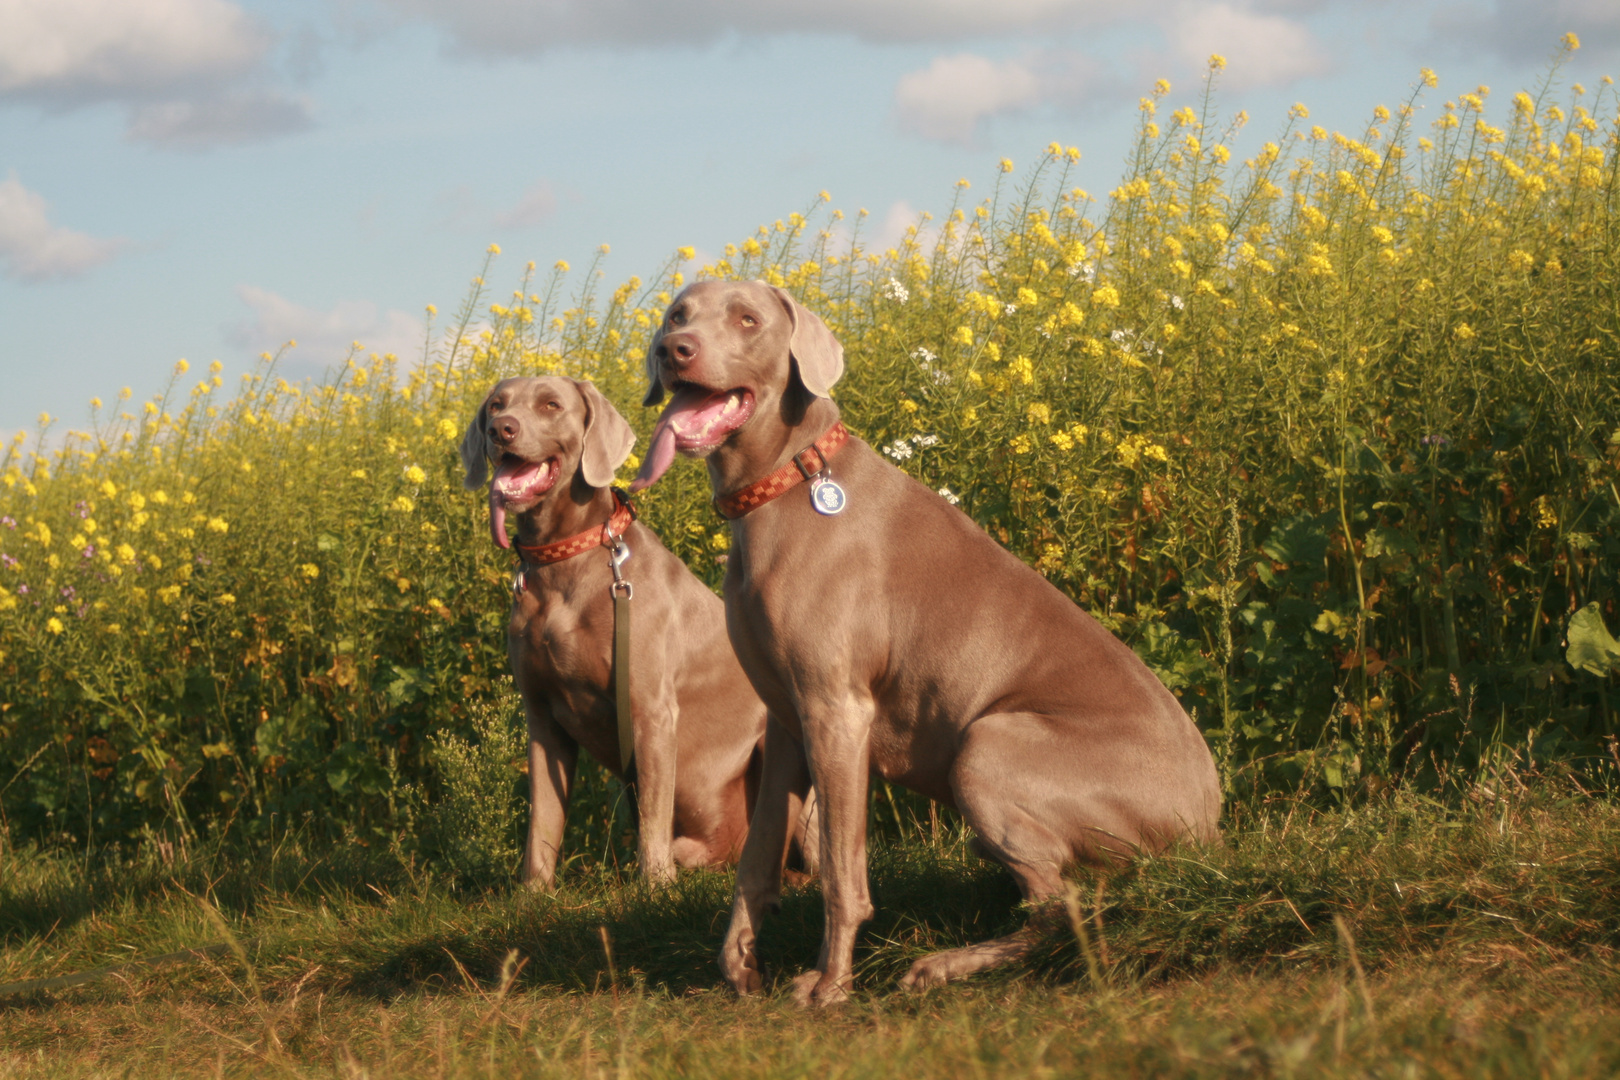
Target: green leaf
<point x="1591" y="647"/>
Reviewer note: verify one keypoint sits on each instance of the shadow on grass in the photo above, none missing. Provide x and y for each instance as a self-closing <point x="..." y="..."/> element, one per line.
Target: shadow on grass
<point x="927" y="898"/>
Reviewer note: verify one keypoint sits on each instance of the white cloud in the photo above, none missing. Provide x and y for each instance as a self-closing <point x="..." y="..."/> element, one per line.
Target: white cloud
<point x="234" y="117"/>
<point x="505" y="26"/>
<point x="72" y="51"/>
<point x="324" y="337"/>
<point x="536" y="205"/>
<point x="32" y="249"/>
<point x="949" y="98"/>
<point x="188" y="71"/>
<point x="1260" y="49"/>
<point x="1529" y="30"/>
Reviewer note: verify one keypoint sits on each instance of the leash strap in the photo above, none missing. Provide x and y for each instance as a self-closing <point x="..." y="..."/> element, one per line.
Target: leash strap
<point x="611" y="536"/>
<point x="807" y="463"/>
<point x="622" y="591"/>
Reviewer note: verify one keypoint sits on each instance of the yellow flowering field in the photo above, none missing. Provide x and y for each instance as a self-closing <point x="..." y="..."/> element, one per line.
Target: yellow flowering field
<point x="1328" y="433"/>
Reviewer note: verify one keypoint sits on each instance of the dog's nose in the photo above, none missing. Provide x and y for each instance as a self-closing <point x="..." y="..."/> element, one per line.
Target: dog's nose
<point x="503" y="429"/>
<point x="682" y="349"/>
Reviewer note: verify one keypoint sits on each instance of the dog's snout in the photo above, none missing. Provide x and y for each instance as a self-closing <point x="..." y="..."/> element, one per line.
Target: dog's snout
<point x="682" y="349"/>
<point x="503" y="429"/>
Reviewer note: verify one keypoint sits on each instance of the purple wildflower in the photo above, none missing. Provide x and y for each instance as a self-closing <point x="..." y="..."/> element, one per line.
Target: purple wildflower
<point x="23" y="590"/>
<point x="89" y="551"/>
<point x="7" y="561"/>
<point x="8" y="521"/>
<point x="82" y="508"/>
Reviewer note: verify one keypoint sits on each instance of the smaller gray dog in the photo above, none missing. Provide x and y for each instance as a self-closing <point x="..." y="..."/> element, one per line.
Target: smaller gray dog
<point x="699" y="727"/>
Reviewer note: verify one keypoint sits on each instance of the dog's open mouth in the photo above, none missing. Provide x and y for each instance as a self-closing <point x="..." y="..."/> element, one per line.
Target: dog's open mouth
<point x="516" y="482"/>
<point x="695" y="421"/>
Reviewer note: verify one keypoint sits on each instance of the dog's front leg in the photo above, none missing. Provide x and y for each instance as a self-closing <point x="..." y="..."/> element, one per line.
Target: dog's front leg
<point x="552" y="756"/>
<point x="837" y="742"/>
<point x="655" y="786"/>
<point x="783" y="783"/>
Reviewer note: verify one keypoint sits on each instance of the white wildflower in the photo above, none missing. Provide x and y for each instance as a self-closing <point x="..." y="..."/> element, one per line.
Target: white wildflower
<point x="949" y="496"/>
<point x="900" y="450"/>
<point x="1177" y="302"/>
<point x="896" y="291"/>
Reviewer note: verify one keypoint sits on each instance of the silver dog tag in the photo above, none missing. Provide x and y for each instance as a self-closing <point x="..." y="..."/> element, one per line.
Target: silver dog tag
<point x="826" y="496"/>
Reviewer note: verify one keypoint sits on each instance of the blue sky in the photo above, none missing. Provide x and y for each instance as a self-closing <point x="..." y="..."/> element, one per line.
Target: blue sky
<point x="204" y="179"/>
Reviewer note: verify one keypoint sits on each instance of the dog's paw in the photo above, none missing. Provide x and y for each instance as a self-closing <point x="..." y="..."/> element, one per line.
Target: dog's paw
<point x="743" y="973"/>
<point x="811" y="991"/>
<point x="930" y="971"/>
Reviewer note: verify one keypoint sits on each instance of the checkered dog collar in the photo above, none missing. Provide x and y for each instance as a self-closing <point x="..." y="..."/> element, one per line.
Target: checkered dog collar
<point x="589" y="540"/>
<point x="805" y="464"/>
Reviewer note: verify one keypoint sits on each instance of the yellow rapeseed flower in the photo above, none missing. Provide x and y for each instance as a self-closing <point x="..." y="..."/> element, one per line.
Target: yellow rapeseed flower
<point x="494" y="249"/>
<point x="54" y="625"/>
<point x="181" y="367"/>
<point x="1038" y="413"/>
<point x="1464" y="332"/>
<point x="963" y="335"/>
<point x="687" y="253"/>
<point x="404" y="504"/>
<point x="219" y="525"/>
<point x="1106" y="296"/>
<point x="126" y="554"/>
<point x="415" y="474"/>
<point x="1006" y="165"/>
<point x="1571" y="42"/>
<point x="1217" y="62"/>
<point x="310" y="571"/>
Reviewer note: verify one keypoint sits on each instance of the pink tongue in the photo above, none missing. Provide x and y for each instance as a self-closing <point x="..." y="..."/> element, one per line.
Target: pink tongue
<point x="660" y="455"/>
<point x="688" y="403"/>
<point x="497" y="518"/>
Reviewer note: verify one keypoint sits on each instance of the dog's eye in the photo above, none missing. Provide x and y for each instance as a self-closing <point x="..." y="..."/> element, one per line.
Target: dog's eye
<point x="676" y="318"/>
<point x="749" y="320"/>
<point x="553" y="404"/>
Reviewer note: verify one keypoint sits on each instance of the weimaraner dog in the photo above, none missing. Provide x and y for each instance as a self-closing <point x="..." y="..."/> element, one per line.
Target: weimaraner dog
<point x="555" y="443"/>
<point x="888" y="634"/>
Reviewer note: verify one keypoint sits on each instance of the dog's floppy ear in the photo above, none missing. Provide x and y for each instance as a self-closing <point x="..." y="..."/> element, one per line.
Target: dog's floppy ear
<point x="608" y="437"/>
<point x="475" y="449"/>
<point x="818" y="358"/>
<point x="655" y="386"/>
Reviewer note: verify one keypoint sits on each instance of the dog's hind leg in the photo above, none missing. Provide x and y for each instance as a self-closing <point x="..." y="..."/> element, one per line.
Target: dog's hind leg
<point x="1016" y="785"/>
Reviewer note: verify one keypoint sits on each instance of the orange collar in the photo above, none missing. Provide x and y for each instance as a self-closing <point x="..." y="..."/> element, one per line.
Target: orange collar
<point x="785" y="479"/>
<point x="589" y="540"/>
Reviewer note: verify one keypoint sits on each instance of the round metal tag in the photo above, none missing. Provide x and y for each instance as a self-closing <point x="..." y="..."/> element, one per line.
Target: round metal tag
<point x="827" y="497"/>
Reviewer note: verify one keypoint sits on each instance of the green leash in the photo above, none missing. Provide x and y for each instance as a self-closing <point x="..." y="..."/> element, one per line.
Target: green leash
<point x="622" y="591"/>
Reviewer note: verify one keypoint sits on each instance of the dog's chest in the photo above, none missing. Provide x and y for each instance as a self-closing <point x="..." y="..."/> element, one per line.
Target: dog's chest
<point x="561" y="642"/>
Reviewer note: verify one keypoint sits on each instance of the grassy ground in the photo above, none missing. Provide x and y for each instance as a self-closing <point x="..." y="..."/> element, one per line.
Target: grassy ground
<point x="1403" y="938"/>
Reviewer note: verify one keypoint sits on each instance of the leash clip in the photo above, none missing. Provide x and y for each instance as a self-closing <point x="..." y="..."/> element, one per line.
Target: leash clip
<point x="618" y="555"/>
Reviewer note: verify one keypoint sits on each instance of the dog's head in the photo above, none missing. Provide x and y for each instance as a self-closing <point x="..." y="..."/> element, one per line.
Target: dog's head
<point x="537" y="431"/>
<point x="725" y="352"/>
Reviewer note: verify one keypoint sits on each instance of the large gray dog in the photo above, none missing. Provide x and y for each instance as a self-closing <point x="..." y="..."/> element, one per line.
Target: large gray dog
<point x="888" y="634"/>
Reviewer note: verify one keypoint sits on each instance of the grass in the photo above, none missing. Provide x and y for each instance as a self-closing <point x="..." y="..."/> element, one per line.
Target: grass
<point x="1403" y="937"/>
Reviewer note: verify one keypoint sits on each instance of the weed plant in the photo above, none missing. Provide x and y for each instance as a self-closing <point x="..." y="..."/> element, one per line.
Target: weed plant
<point x="1328" y="435"/>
